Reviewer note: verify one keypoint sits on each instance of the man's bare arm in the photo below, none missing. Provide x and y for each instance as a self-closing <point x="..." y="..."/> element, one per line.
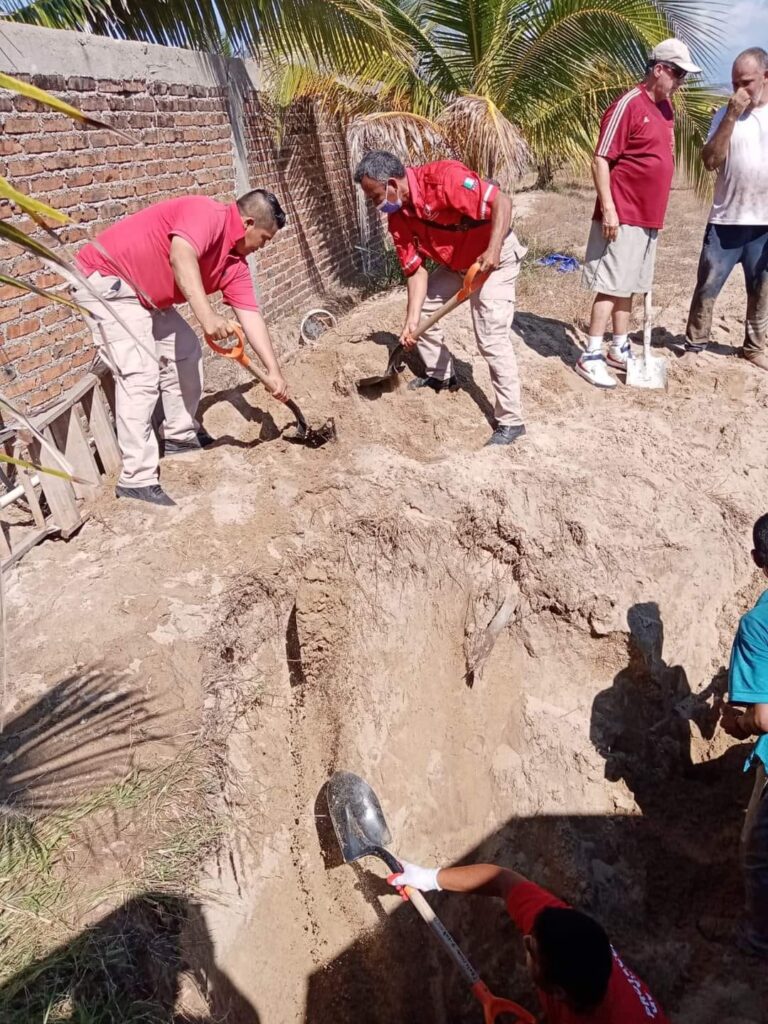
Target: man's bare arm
<point x="601" y="175"/>
<point x="186" y="270"/>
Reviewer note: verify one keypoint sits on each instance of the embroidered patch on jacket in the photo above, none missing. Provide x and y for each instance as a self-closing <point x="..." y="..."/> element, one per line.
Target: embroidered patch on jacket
<point x="469" y="183"/>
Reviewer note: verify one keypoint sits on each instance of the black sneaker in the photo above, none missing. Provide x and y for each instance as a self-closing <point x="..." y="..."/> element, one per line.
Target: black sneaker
<point x="180" y="447"/>
<point x="154" y="494"/>
<point x="205" y="438"/>
<point x="434" y="383"/>
<point x="505" y="435"/>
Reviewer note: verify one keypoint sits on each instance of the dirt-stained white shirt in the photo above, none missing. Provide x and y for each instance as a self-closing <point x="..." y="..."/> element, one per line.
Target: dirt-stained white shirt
<point x="741" y="190"/>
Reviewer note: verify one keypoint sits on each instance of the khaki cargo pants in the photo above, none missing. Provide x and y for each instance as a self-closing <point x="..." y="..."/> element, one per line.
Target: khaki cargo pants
<point x="493" y="308"/>
<point x="170" y="386"/>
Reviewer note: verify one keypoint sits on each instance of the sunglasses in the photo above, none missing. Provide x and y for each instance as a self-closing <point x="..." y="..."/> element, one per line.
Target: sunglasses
<point x="677" y="72"/>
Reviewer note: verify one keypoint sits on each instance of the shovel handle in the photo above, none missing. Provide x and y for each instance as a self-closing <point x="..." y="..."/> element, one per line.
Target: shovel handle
<point x="237" y="352"/>
<point x="474" y="279"/>
<point x="493" y="1006"/>
<point x="647" y="325"/>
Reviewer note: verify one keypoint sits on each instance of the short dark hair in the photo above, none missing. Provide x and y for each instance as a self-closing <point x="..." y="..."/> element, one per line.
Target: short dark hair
<point x="380" y="166"/>
<point x="574" y="954"/>
<point x="756" y="53"/>
<point x="263" y="207"/>
<point x="760" y="541"/>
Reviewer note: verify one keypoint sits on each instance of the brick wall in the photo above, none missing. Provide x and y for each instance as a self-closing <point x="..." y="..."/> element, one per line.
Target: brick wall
<point x="185" y="142"/>
<point x="310" y="175"/>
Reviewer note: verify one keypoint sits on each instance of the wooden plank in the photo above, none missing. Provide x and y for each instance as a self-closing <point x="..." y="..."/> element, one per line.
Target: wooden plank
<point x="71" y="439"/>
<point x="102" y="431"/>
<point x="28" y="543"/>
<point x="74" y="394"/>
<point x="58" y="493"/>
<point x="25" y="480"/>
<point x="5" y="544"/>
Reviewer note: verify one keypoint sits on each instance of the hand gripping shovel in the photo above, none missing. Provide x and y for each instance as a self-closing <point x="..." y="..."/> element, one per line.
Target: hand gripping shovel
<point x="650" y="371"/>
<point x="304" y="433"/>
<point x="473" y="280"/>
<point x="361" y="830"/>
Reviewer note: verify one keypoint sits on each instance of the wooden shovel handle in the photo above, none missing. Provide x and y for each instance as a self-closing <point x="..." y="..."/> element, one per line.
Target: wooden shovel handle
<point x="473" y="280"/>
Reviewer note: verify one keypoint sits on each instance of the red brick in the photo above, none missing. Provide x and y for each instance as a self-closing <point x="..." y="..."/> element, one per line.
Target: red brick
<point x="56" y="315"/>
<point x="33" y="303"/>
<point x="21" y="125"/>
<point x="20" y="330"/>
<point x="8" y="146"/>
<point x="18" y="388"/>
<point x="50" y="373"/>
<point x="41" y="397"/>
<point x="33" y="362"/>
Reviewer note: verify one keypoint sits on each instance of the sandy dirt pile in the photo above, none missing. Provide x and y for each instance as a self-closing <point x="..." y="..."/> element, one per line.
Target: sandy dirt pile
<point x="314" y="610"/>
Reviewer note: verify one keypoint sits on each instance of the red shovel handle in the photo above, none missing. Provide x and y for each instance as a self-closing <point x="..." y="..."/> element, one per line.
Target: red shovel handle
<point x="494" y="1007"/>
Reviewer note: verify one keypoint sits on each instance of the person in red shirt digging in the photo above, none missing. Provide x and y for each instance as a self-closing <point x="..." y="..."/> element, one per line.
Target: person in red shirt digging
<point x="445" y="212"/>
<point x="633" y="166"/>
<point x="579" y="976"/>
<point x="179" y="250"/>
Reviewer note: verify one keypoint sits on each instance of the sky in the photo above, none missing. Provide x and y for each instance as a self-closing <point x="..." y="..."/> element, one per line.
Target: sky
<point x="747" y="25"/>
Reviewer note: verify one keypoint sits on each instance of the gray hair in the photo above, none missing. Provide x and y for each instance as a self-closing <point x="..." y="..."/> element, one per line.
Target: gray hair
<point x="756" y="53"/>
<point x="379" y="165"/>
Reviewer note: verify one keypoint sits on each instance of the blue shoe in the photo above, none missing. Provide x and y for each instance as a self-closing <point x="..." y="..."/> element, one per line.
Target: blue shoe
<point x="154" y="494"/>
<point x="505" y="435"/>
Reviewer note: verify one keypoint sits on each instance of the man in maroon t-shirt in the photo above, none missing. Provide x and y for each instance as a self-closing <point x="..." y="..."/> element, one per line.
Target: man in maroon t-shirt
<point x="579" y="977"/>
<point x="632" y="168"/>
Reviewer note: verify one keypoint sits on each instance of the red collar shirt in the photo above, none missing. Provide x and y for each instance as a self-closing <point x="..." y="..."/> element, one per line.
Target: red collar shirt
<point x="447" y="217"/>
<point x="138" y="249"/>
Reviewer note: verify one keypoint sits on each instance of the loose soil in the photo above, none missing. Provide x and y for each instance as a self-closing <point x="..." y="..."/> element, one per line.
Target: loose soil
<point x="309" y="610"/>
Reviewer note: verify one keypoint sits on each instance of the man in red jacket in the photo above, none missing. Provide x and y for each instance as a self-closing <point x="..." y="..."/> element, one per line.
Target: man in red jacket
<point x="633" y="167"/>
<point x="579" y="976"/>
<point x="445" y="212"/>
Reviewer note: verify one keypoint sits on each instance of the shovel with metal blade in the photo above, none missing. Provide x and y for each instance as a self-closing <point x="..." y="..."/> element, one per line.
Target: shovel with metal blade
<point x="311" y="437"/>
<point x="362" y="831"/>
<point x="650" y="371"/>
<point x="474" y="279"/>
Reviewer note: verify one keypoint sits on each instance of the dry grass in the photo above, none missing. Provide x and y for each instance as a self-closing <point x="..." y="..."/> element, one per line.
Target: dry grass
<point x="560" y="223"/>
<point x="57" y="888"/>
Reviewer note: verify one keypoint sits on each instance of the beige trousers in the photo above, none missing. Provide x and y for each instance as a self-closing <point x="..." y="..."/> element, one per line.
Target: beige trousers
<point x="493" y="308"/>
<point x="171" y="385"/>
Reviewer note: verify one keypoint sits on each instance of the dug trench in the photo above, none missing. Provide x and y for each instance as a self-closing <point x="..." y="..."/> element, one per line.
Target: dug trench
<point x="306" y="611"/>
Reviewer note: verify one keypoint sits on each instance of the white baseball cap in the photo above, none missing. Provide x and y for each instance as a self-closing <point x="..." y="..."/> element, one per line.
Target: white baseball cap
<point x="672" y="51"/>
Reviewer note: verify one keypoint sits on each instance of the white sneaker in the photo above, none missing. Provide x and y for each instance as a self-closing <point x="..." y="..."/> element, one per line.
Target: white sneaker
<point x="591" y="366"/>
<point x="618" y="355"/>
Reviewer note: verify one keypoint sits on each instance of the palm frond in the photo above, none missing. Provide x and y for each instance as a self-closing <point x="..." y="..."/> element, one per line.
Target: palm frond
<point x="33" y="207"/>
<point x="44" y="293"/>
<point x="486" y="139"/>
<point x="41" y="96"/>
<point x="24" y="464"/>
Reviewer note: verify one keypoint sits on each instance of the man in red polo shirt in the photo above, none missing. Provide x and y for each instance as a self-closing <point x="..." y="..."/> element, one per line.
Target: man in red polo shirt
<point x="179" y="250"/>
<point x="579" y="976"/>
<point x="633" y="166"/>
<point x="445" y="212"/>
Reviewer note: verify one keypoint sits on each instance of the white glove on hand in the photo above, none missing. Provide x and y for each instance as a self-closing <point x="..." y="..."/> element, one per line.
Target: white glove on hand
<point x="424" y="879"/>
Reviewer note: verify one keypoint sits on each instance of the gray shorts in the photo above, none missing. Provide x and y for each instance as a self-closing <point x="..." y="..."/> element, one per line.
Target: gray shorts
<point x="623" y="267"/>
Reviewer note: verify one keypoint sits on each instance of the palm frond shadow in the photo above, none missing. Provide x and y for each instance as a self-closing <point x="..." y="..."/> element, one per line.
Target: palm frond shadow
<point x="128" y="967"/>
<point x="77" y="738"/>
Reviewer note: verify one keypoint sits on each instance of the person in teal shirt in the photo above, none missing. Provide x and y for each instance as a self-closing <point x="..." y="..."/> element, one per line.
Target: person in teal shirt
<point x="748" y="686"/>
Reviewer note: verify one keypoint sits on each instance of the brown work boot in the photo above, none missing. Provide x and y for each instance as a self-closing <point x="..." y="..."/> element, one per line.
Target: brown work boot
<point x="756" y="358"/>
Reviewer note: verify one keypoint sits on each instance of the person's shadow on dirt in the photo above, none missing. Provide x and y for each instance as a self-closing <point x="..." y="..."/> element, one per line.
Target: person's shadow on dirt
<point x="642" y="725"/>
<point x="128" y="968"/>
<point x="548" y="337"/>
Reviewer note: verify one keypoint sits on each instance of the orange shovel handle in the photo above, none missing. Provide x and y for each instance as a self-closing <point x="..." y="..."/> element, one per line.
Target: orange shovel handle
<point x="236" y="351"/>
<point x="493" y="1006"/>
<point x="473" y="279"/>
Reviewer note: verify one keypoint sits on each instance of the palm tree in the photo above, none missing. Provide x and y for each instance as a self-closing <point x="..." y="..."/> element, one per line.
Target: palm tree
<point x="488" y="80"/>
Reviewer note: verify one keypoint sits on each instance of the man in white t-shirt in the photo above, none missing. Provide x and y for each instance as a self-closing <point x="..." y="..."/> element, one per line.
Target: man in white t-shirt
<point x="737" y="230"/>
